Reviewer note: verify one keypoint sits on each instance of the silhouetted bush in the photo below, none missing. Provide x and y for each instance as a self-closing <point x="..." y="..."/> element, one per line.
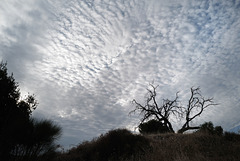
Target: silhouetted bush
<point x="218" y="130"/>
<point x="231" y="136"/>
<point x="115" y="145"/>
<point x="209" y="128"/>
<point x="153" y="126"/>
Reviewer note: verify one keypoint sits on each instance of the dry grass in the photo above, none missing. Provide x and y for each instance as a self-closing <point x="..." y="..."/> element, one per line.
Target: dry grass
<point x="197" y="147"/>
<point x="158" y="147"/>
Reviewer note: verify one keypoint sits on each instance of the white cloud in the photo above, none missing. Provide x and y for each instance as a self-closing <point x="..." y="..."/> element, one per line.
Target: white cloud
<point x="86" y="60"/>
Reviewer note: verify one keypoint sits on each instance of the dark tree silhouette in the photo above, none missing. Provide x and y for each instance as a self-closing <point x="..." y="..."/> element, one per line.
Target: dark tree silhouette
<point x="21" y="137"/>
<point x="15" y="113"/>
<point x="171" y="108"/>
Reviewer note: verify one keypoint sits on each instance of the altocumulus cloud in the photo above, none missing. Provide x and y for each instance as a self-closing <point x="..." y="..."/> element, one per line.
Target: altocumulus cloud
<point x="86" y="60"/>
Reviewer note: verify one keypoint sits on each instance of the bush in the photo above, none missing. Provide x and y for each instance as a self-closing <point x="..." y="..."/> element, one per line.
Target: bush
<point x="218" y="130"/>
<point x="231" y="136"/>
<point x="115" y="145"/>
<point x="208" y="128"/>
<point x="153" y="126"/>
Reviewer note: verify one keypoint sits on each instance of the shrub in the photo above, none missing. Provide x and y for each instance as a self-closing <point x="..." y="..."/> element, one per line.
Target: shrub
<point x="153" y="126"/>
<point x="231" y="136"/>
<point x="115" y="145"/>
<point x="208" y="128"/>
<point x="218" y="130"/>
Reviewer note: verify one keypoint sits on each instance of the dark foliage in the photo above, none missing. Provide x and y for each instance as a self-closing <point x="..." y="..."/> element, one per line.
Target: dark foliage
<point x="209" y="128"/>
<point x="231" y="136"/>
<point x="22" y="138"/>
<point x="153" y="126"/>
<point x="114" y="145"/>
<point x="38" y="142"/>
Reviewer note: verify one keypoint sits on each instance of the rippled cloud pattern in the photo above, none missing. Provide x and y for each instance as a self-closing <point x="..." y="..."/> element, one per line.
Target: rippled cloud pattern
<point x="86" y="60"/>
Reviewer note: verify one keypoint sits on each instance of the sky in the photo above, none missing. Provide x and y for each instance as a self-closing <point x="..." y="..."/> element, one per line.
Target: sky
<point x="86" y="60"/>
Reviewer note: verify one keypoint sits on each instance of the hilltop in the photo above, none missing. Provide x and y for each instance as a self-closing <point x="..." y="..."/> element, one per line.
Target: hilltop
<point x="122" y="145"/>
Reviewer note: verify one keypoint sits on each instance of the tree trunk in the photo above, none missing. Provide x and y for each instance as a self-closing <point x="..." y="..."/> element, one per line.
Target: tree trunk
<point x="182" y="130"/>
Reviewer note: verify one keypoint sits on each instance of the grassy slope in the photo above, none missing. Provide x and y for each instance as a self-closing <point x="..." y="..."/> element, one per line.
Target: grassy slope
<point x="197" y="147"/>
<point x="158" y="147"/>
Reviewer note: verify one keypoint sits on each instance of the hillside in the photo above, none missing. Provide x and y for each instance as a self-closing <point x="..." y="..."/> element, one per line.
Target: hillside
<point x="197" y="147"/>
<point x="121" y="145"/>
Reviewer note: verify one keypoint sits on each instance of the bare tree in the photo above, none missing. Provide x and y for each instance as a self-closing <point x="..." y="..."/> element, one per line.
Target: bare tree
<point x="196" y="105"/>
<point x="151" y="109"/>
<point x="172" y="108"/>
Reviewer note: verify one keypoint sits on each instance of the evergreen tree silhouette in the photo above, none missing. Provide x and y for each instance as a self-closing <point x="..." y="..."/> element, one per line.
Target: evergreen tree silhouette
<point x="22" y="137"/>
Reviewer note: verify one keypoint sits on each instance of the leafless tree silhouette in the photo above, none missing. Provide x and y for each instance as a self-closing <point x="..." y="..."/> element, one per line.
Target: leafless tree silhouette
<point x="151" y="109"/>
<point x="172" y="108"/>
<point x="196" y="105"/>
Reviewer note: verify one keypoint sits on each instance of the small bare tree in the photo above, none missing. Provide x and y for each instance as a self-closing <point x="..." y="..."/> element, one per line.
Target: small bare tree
<point x="150" y="109"/>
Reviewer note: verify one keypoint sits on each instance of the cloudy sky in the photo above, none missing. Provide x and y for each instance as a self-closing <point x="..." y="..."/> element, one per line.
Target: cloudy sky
<point x="85" y="60"/>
